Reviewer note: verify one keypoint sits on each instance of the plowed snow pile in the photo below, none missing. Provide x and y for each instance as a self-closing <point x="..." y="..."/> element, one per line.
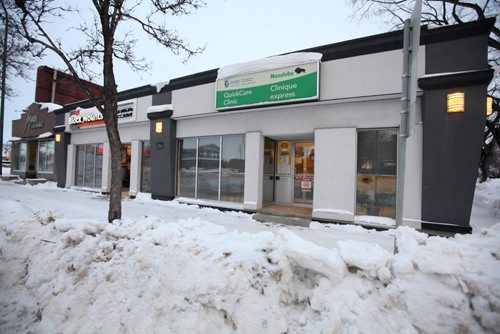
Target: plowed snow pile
<point x="62" y="275"/>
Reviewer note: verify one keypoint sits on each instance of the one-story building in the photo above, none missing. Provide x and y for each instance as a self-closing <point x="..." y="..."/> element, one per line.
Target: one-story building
<point x="33" y="147"/>
<point x="316" y="129"/>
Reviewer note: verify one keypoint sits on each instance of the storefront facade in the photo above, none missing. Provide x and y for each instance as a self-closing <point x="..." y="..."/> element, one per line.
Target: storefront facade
<point x="314" y="129"/>
<point x="36" y="135"/>
<point x="33" y="148"/>
<point x="88" y="152"/>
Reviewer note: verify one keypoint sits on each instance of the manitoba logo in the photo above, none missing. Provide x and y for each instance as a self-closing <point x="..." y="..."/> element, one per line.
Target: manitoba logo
<point x="299" y="70"/>
<point x="226" y="83"/>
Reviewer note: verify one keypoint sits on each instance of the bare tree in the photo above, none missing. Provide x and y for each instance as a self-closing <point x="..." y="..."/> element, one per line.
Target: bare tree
<point x="109" y="37"/>
<point x="19" y="53"/>
<point x="446" y="12"/>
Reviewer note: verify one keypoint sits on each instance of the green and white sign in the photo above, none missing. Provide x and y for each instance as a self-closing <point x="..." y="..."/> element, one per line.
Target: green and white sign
<point x="286" y="84"/>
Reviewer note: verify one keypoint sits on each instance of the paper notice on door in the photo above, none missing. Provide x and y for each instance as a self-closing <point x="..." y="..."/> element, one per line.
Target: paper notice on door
<point x="306" y="185"/>
<point x="284" y="166"/>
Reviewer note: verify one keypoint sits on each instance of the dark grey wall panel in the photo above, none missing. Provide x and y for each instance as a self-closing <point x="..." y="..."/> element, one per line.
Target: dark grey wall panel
<point x="60" y="118"/>
<point x="61" y="156"/>
<point x="457" y="55"/>
<point x="162" y="98"/>
<point x="163" y="151"/>
<point x="452" y="141"/>
<point x="452" y="146"/>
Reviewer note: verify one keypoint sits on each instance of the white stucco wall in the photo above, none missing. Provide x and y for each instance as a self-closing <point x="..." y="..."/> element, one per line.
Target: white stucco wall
<point x="135" y="168"/>
<point x="366" y="75"/>
<point x="254" y="156"/>
<point x="195" y="100"/>
<point x="106" y="168"/>
<point x="412" y="204"/>
<point x="142" y="104"/>
<point x="294" y="121"/>
<point x="335" y="174"/>
<point x="70" y="165"/>
<point x="130" y="132"/>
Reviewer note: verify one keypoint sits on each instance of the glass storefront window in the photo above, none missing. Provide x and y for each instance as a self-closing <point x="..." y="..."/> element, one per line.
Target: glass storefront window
<point x="208" y="168"/>
<point x="146" y="167"/>
<point x="46" y="156"/>
<point x="233" y="169"/>
<point x="187" y="167"/>
<point x="212" y="168"/>
<point x="376" y="177"/>
<point x="19" y="156"/>
<point x="89" y="165"/>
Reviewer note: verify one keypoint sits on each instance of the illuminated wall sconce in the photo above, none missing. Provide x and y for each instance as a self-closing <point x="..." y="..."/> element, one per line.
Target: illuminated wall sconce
<point x="159" y="126"/>
<point x="456" y="102"/>
<point x="489" y="106"/>
<point x="58" y="137"/>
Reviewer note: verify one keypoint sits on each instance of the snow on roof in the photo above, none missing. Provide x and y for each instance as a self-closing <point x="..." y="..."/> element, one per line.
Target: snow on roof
<point x="15" y="138"/>
<point x="87" y="111"/>
<point x="50" y="106"/>
<point x="268" y="64"/>
<point x="45" y="135"/>
<point x="159" y="108"/>
<point x="160" y="85"/>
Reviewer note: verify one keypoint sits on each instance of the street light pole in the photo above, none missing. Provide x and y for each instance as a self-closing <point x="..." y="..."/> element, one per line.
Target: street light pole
<point x="4" y="75"/>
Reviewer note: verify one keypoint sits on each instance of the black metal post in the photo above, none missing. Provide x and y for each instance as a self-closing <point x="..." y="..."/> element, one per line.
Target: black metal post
<point x="4" y="75"/>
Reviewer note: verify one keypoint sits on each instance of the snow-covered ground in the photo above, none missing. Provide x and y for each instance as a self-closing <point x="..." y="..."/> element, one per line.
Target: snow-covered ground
<point x="173" y="268"/>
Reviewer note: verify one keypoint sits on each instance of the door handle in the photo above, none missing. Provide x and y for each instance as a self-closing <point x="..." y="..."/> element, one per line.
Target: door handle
<point x="271" y="177"/>
<point x="277" y="178"/>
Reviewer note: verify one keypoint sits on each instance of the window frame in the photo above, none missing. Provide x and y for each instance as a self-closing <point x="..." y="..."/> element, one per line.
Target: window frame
<point x="96" y="147"/>
<point x="16" y="147"/>
<point x="150" y="185"/>
<point x="374" y="174"/>
<point x="45" y="143"/>
<point x="196" y="172"/>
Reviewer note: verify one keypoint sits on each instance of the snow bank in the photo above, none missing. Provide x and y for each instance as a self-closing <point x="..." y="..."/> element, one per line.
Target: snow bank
<point x="487" y="196"/>
<point x="268" y="64"/>
<point x="145" y="275"/>
<point x="486" y="206"/>
<point x="375" y="220"/>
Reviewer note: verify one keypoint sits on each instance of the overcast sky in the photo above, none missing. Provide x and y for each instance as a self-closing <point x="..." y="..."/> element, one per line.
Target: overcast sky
<point x="232" y="31"/>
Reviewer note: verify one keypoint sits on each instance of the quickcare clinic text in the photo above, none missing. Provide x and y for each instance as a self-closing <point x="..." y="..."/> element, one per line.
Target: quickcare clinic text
<point x="269" y="87"/>
<point x="278" y="92"/>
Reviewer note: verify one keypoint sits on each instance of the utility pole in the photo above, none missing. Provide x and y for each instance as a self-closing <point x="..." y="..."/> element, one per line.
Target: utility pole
<point x="403" y="129"/>
<point x="4" y="75"/>
<point x="411" y="44"/>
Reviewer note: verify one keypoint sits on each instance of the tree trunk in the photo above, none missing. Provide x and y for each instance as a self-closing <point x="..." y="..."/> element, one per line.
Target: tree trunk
<point x="115" y="201"/>
<point x="111" y="120"/>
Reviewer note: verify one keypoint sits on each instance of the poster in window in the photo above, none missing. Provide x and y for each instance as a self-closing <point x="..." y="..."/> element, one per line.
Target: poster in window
<point x="284" y="166"/>
<point x="306" y="185"/>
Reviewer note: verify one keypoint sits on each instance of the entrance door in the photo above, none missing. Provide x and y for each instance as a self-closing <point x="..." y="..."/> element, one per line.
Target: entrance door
<point x="284" y="173"/>
<point x="288" y="172"/>
<point x="269" y="171"/>
<point x="303" y="173"/>
<point x="32" y="159"/>
<point x="126" y="159"/>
